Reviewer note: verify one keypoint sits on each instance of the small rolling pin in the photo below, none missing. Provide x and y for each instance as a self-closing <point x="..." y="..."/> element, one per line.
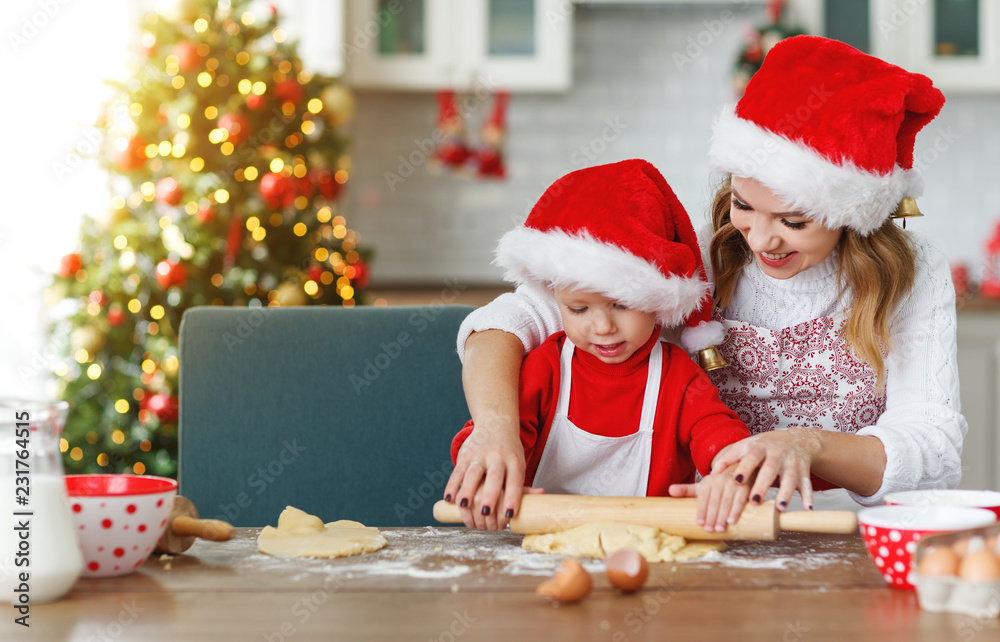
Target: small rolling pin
<point x="183" y="526"/>
<point x="546" y="513"/>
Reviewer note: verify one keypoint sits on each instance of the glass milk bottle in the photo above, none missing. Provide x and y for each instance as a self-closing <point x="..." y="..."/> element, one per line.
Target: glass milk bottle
<point x="40" y="556"/>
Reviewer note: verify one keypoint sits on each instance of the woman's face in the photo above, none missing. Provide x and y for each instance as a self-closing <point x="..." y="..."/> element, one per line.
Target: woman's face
<point x="783" y="242"/>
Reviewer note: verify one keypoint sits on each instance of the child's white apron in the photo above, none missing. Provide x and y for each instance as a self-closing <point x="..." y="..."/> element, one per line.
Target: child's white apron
<point x="803" y="375"/>
<point x="581" y="463"/>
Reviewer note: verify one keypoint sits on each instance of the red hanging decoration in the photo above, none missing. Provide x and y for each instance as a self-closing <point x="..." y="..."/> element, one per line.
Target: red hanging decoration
<point x="990" y="287"/>
<point x="489" y="154"/>
<point x="452" y="151"/>
<point x="234" y="238"/>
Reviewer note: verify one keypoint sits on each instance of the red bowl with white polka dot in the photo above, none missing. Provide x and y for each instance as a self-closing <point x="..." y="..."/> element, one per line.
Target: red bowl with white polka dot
<point x="891" y="534"/>
<point x="119" y="519"/>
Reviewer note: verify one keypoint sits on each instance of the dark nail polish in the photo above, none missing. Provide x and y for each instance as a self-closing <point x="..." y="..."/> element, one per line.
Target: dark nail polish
<point x="486" y="510"/>
<point x="756" y="499"/>
<point x="783" y="504"/>
<point x="465" y="502"/>
<point x="447" y="497"/>
<point x="510" y="513"/>
<point x="809" y="507"/>
<point x="739" y="479"/>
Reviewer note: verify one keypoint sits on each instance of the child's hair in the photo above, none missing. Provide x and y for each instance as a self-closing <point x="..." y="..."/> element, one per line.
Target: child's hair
<point x="878" y="270"/>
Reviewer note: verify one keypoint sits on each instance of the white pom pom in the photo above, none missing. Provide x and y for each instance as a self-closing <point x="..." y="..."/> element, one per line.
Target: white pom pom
<point x="703" y="335"/>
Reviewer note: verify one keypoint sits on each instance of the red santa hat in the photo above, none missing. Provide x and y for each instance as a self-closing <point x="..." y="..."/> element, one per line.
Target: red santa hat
<point x="829" y="130"/>
<point x="620" y="231"/>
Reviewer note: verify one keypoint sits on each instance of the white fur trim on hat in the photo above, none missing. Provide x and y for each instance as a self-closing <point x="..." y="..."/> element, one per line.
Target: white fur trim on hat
<point x="558" y="259"/>
<point x="835" y="195"/>
<point x="703" y="335"/>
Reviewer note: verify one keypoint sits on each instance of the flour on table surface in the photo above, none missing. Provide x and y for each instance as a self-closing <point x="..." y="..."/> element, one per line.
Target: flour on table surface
<point x="450" y="553"/>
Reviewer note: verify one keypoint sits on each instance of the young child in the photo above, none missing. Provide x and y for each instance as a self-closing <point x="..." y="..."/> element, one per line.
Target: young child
<point x="606" y="407"/>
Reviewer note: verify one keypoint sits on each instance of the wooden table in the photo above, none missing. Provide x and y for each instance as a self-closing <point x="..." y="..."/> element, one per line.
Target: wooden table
<point x="448" y="584"/>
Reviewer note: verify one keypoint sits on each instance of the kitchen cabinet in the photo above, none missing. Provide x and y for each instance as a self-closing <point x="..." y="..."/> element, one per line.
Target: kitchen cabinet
<point x="979" y="377"/>
<point x="318" y="25"/>
<point x="518" y="45"/>
<point x="954" y="42"/>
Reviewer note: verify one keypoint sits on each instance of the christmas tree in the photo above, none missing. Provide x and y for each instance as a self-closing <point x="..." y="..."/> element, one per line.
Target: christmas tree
<point x="225" y="166"/>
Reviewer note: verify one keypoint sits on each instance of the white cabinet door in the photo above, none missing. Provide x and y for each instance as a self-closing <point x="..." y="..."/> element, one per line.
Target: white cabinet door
<point x="519" y="45"/>
<point x="954" y="42"/>
<point x="318" y="25"/>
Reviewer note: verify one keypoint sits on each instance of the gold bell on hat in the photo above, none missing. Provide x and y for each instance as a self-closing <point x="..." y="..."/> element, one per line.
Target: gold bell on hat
<point x="711" y="359"/>
<point x="907" y="208"/>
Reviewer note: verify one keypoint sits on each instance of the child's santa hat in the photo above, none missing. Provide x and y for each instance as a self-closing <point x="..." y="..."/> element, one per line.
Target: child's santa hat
<point x="617" y="230"/>
<point x="829" y="130"/>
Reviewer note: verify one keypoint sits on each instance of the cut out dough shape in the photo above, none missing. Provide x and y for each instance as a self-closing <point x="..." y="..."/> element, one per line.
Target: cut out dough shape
<point x="600" y="539"/>
<point x="300" y="534"/>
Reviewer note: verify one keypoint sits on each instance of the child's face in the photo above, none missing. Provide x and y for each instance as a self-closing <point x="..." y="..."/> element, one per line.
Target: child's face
<point x="783" y="243"/>
<point x="603" y="327"/>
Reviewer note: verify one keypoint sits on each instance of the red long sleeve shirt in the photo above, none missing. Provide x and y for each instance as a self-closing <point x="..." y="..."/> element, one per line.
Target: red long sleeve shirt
<point x="692" y="424"/>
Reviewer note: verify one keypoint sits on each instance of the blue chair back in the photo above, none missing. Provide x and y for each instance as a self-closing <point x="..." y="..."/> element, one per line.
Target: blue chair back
<point x="344" y="413"/>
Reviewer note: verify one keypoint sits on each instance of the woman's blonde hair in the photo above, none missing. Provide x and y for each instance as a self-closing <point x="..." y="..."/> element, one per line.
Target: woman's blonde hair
<point x="878" y="270"/>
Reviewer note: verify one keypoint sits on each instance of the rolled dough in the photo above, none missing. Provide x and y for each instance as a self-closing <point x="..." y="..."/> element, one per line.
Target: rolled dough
<point x="300" y="534"/>
<point x="600" y="539"/>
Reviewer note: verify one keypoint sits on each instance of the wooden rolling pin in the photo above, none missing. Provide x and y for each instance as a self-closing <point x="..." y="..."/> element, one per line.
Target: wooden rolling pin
<point x="183" y="526"/>
<point x="550" y="513"/>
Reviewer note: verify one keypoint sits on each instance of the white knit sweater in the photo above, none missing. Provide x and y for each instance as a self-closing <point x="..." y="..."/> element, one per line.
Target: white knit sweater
<point x="922" y="427"/>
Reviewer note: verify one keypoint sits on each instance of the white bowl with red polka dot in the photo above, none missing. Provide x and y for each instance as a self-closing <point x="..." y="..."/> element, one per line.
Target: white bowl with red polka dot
<point x="891" y="534"/>
<point x="119" y="519"/>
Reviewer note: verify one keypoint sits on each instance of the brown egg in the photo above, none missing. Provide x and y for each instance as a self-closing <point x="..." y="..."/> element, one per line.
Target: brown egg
<point x="571" y="584"/>
<point x="980" y="566"/>
<point x="940" y="560"/>
<point x="627" y="570"/>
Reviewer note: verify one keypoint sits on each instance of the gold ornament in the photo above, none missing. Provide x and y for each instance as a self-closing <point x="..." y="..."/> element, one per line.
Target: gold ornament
<point x="711" y="359"/>
<point x="88" y="338"/>
<point x="289" y="293"/>
<point x="338" y="104"/>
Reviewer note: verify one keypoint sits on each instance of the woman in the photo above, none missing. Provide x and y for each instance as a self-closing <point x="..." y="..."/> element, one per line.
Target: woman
<point x="840" y="326"/>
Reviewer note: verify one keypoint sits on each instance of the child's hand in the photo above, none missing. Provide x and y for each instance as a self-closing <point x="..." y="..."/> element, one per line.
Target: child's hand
<point x="720" y="499"/>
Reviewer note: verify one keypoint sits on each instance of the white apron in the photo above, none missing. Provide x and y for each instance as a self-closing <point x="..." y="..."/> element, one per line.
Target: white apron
<point x="803" y="375"/>
<point x="581" y="463"/>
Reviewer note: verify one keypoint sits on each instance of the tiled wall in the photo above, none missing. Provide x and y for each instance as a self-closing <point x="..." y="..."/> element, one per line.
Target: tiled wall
<point x="629" y="99"/>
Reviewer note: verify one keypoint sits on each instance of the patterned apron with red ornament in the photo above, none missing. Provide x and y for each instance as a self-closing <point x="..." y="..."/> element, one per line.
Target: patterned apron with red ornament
<point x="804" y="375"/>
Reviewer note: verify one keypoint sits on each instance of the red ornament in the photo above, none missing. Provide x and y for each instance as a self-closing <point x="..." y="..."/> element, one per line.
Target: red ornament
<point x="169" y="273"/>
<point x="277" y="190"/>
<point x="453" y="150"/>
<point x="205" y="215"/>
<point x="99" y="298"/>
<point x="238" y="126"/>
<point x="234" y="238"/>
<point x="489" y="154"/>
<point x="69" y="265"/>
<point x="256" y="103"/>
<point x="361" y="275"/>
<point x="289" y="91"/>
<point x="304" y="186"/>
<point x="116" y="316"/>
<point x="188" y="58"/>
<point x="314" y="272"/>
<point x="169" y="191"/>
<point x="323" y="180"/>
<point x="133" y="156"/>
<point x="164" y="406"/>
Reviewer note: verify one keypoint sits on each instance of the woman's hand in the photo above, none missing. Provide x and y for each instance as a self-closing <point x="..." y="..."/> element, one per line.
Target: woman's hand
<point x="489" y="476"/>
<point x="787" y="454"/>
<point x="720" y="499"/>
